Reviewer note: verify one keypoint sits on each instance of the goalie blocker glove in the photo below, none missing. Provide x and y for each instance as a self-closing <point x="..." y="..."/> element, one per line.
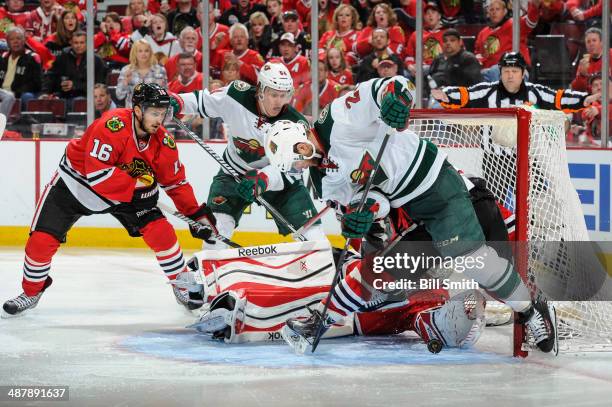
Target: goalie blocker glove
<point x="356" y="224"/>
<point x="252" y="185"/>
<point x="395" y="105"/>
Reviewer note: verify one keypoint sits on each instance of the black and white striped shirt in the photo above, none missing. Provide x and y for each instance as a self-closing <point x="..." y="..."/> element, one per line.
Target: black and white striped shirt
<point x="495" y="95"/>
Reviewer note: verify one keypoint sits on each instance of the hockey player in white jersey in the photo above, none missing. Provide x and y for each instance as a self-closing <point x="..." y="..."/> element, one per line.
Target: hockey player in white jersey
<point x="249" y="112"/>
<point x="415" y="176"/>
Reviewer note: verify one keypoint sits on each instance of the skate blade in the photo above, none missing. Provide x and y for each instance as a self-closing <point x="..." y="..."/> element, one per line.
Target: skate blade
<point x="6" y="315"/>
<point x="553" y="317"/>
<point x="210" y="325"/>
<point x="299" y="344"/>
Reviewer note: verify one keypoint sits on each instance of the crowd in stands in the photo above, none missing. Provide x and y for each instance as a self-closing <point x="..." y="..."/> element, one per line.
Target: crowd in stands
<point x="43" y="46"/>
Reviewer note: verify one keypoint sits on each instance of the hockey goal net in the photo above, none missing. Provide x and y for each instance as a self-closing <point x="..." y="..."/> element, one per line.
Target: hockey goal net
<point x="521" y="153"/>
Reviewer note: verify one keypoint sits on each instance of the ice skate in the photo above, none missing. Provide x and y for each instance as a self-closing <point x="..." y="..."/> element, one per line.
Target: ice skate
<point x="299" y="333"/>
<point x="18" y="305"/>
<point x="541" y="320"/>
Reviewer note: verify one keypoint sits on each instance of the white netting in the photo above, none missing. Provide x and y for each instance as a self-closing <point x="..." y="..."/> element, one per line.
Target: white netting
<point x="482" y="145"/>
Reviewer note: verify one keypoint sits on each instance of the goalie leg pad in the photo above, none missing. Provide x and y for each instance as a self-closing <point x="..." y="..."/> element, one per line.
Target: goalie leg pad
<point x="458" y="323"/>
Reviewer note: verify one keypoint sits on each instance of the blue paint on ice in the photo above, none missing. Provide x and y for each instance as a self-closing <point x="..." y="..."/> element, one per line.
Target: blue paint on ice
<point x="350" y="351"/>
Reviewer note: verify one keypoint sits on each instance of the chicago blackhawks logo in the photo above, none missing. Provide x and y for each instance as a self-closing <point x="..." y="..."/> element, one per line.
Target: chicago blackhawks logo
<point x="249" y="150"/>
<point x="431" y="48"/>
<point x="169" y="141"/>
<point x="5" y="24"/>
<point x="115" y="124"/>
<point x="366" y="166"/>
<point x="491" y="45"/>
<point x="137" y="168"/>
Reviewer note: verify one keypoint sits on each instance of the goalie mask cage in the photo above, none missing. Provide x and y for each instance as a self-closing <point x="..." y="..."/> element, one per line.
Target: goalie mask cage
<point x="521" y="153"/>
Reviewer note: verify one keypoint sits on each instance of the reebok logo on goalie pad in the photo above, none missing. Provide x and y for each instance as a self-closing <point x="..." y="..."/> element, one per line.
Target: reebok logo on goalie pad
<point x="257" y="251"/>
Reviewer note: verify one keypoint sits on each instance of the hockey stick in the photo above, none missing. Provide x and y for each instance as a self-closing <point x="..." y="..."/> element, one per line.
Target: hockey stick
<point x="196" y="224"/>
<point x="280" y="218"/>
<point x="314" y="219"/>
<point x="2" y="125"/>
<point x="336" y="279"/>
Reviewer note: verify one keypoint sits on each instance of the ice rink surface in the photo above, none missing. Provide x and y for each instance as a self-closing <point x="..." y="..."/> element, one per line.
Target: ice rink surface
<point x="110" y="329"/>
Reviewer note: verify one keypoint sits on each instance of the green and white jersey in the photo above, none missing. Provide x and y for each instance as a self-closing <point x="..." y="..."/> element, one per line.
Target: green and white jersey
<point x="352" y="133"/>
<point x="236" y="104"/>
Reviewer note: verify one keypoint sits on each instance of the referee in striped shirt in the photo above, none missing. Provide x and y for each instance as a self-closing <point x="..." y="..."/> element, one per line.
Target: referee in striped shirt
<point x="512" y="90"/>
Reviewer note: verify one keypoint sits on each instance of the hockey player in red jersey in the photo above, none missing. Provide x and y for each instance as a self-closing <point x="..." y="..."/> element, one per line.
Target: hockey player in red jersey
<point x="116" y="167"/>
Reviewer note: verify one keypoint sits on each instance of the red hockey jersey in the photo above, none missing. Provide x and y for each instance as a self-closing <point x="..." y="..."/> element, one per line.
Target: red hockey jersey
<point x="343" y="77"/>
<point x="432" y="47"/>
<point x="299" y="68"/>
<point x="9" y="20"/>
<point x="396" y="41"/>
<point x="303" y="97"/>
<point x="172" y="65"/>
<point x="493" y="42"/>
<point x="194" y="84"/>
<point x="251" y="62"/>
<point x="95" y="167"/>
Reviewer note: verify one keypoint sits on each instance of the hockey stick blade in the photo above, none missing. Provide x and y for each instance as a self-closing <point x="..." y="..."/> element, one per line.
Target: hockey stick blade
<point x="194" y="223"/>
<point x="298" y="343"/>
<point x="2" y="125"/>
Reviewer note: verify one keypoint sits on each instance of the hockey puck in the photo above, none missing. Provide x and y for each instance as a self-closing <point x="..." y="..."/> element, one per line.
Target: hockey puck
<point x="434" y="346"/>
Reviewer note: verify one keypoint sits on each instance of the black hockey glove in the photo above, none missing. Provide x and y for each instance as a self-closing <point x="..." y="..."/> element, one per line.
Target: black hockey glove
<point x="204" y="216"/>
<point x="145" y="198"/>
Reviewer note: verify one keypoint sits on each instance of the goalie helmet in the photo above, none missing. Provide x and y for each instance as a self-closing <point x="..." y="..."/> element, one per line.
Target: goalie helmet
<point x="281" y="141"/>
<point x="275" y="75"/>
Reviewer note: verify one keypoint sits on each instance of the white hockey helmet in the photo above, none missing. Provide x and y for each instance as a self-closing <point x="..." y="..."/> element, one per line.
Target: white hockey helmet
<point x="281" y="141"/>
<point x="275" y="75"/>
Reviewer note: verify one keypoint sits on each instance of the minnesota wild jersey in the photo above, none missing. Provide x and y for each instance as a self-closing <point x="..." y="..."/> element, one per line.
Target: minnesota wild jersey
<point x="236" y="104"/>
<point x="351" y="132"/>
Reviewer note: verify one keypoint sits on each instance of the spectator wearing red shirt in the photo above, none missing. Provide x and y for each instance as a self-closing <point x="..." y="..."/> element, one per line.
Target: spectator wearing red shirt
<point x="336" y="67"/>
<point x="165" y="6"/>
<point x="591" y="61"/>
<point x="344" y="35"/>
<point x="13" y="15"/>
<point x="136" y="16"/>
<point x="592" y="114"/>
<point x="326" y="16"/>
<point x="111" y="43"/>
<point x="218" y="34"/>
<point x="328" y="91"/>
<point x="382" y="17"/>
<point x="188" y="40"/>
<point x="297" y="65"/>
<point x="585" y="10"/>
<point x="432" y="39"/>
<point x="496" y="39"/>
<point x="249" y="60"/>
<point x="553" y="10"/>
<point x="188" y="79"/>
<point x="43" y="19"/>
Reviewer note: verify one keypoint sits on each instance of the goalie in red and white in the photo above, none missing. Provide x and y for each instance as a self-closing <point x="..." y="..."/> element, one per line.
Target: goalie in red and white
<point x="252" y="291"/>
